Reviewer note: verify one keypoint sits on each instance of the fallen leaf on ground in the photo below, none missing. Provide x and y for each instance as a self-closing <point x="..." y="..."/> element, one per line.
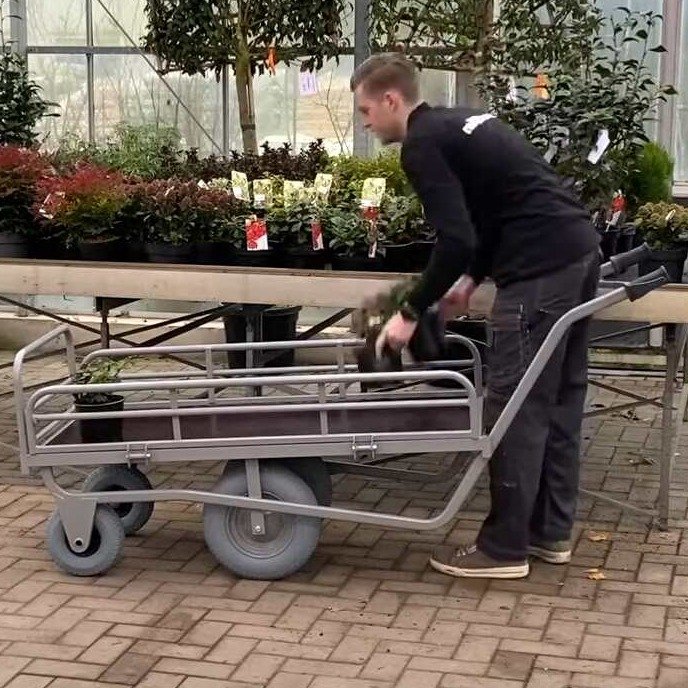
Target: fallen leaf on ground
<point x="598" y="537"/>
<point x="595" y="574"/>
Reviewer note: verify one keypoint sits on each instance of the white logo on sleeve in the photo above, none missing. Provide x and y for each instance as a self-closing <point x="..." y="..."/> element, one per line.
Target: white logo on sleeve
<point x="473" y="122"/>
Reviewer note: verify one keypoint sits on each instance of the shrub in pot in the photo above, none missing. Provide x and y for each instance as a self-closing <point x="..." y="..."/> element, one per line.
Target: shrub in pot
<point x="401" y="225"/>
<point x="664" y="226"/>
<point x="85" y="204"/>
<point x="291" y="229"/>
<point x="20" y="170"/>
<point x="349" y="240"/>
<point x="98" y="372"/>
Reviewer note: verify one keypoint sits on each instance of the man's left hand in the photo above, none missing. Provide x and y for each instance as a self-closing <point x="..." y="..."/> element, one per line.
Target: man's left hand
<point x="397" y="333"/>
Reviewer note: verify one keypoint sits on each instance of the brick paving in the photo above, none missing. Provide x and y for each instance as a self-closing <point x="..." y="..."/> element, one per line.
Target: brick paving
<point x="367" y="612"/>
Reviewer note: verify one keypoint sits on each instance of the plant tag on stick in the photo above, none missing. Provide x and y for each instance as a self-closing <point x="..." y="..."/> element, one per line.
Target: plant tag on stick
<point x="256" y="234"/>
<point x="317" y="235"/>
<point x="240" y="186"/>
<point x="601" y="146"/>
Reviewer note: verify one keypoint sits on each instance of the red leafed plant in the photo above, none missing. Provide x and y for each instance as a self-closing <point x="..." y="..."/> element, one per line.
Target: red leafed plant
<point x="85" y="203"/>
<point x="20" y="170"/>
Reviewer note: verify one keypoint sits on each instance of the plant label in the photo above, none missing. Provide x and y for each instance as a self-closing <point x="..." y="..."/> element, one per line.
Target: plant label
<point x="256" y="234"/>
<point x="601" y="146"/>
<point x="293" y="192"/>
<point x="373" y="191"/>
<point x="317" y="235"/>
<point x="262" y="192"/>
<point x="240" y="186"/>
<point x="322" y="184"/>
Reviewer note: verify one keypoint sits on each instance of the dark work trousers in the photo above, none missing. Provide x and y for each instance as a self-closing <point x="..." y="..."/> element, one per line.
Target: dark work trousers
<point x="534" y="471"/>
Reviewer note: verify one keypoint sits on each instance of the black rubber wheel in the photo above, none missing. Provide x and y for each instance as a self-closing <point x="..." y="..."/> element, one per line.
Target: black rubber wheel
<point x="289" y="541"/>
<point x="134" y="515"/>
<point x="102" y="552"/>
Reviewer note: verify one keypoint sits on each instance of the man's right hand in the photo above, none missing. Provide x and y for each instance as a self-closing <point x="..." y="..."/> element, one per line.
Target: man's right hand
<point x="455" y="301"/>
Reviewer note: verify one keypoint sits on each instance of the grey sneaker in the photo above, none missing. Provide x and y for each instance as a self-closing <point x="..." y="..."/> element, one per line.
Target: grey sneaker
<point x="469" y="562"/>
<point x="557" y="552"/>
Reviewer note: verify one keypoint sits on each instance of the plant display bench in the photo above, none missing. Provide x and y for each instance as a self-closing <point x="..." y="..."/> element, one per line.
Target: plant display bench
<point x="666" y="307"/>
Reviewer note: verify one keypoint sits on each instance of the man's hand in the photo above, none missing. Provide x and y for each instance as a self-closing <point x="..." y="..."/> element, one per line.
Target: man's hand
<point x="397" y="333"/>
<point x="455" y="301"/>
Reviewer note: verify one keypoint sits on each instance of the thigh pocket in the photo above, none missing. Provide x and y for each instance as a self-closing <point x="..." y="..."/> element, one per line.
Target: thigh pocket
<point x="509" y="350"/>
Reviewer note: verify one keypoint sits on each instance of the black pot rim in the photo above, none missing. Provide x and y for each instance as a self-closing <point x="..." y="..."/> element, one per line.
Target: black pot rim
<point x="115" y="400"/>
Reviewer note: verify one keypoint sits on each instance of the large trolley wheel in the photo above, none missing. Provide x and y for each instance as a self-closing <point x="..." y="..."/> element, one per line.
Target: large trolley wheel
<point x="134" y="515"/>
<point x="107" y="539"/>
<point x="288" y="542"/>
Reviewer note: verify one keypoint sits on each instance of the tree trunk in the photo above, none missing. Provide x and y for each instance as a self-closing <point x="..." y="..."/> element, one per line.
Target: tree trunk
<point x="247" y="110"/>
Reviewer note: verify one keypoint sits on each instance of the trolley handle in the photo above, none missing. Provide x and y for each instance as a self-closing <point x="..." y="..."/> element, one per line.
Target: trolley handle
<point x="617" y="264"/>
<point x="646" y="283"/>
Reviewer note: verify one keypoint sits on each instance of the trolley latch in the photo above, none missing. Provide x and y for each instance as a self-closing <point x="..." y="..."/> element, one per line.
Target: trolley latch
<point x="137" y="455"/>
<point x="365" y="446"/>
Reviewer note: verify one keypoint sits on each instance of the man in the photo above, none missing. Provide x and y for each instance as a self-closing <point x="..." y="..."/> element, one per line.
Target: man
<point x="500" y="210"/>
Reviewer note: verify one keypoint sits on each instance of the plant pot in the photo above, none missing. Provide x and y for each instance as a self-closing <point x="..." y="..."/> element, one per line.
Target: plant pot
<point x="135" y="251"/>
<point x="168" y="253"/>
<point x="626" y="238"/>
<point x="13" y="245"/>
<point x="279" y="325"/>
<point x="213" y="253"/>
<point x="673" y="259"/>
<point x="609" y="242"/>
<point x="101" y="429"/>
<point x="111" y="249"/>
<point x="255" y="259"/>
<point x="303" y="258"/>
<point x="422" y="251"/>
<point x="358" y="263"/>
<point x="400" y="257"/>
<point x="51" y="248"/>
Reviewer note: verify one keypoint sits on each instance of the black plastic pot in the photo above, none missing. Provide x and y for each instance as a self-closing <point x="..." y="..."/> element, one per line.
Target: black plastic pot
<point x="358" y="263"/>
<point x="303" y="258"/>
<point x="13" y="245"/>
<point x="213" y="253"/>
<point x="421" y="255"/>
<point x="51" y="248"/>
<point x="168" y="253"/>
<point x="672" y="259"/>
<point x="400" y="257"/>
<point x="609" y="242"/>
<point x="101" y="429"/>
<point x="279" y="325"/>
<point x="255" y="259"/>
<point x="111" y="249"/>
<point x="626" y="240"/>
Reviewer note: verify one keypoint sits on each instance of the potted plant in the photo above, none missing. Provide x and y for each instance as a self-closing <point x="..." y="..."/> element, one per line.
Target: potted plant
<point x="98" y="372"/>
<point x="401" y="223"/>
<point x="20" y="170"/>
<point x="85" y="204"/>
<point x="664" y="226"/>
<point x="291" y="228"/>
<point x="349" y="240"/>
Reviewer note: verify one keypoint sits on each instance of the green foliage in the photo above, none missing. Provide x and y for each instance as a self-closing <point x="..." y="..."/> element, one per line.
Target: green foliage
<point x="651" y="177"/>
<point x="349" y="173"/>
<point x="147" y="151"/>
<point x="346" y="231"/>
<point x="100" y="371"/>
<point x="401" y="219"/>
<point x="445" y="34"/>
<point x="291" y="226"/>
<point x="594" y="83"/>
<point x="663" y="225"/>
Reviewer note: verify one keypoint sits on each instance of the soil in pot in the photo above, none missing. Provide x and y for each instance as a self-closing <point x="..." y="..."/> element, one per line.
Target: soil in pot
<point x="101" y="429"/>
<point x="213" y="253"/>
<point x="303" y="258"/>
<point x="13" y="245"/>
<point x="111" y="249"/>
<point x="255" y="259"/>
<point x="358" y="263"/>
<point x="672" y="259"/>
<point x="168" y="253"/>
<point x="400" y="257"/>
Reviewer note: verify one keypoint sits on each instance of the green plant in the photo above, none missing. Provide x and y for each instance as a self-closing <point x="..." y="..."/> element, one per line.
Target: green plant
<point x="401" y="219"/>
<point x="663" y="225"/>
<point x="595" y="78"/>
<point x="180" y="212"/>
<point x="346" y="230"/>
<point x="349" y="173"/>
<point x="20" y="170"/>
<point x="84" y="203"/>
<point x="100" y="371"/>
<point x="21" y="105"/>
<point x="195" y="36"/>
<point x="651" y="176"/>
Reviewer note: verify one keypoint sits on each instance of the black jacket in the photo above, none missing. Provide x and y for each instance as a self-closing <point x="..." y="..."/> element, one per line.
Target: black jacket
<point x="498" y="208"/>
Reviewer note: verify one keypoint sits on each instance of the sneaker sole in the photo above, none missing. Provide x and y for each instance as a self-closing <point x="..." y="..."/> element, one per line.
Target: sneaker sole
<point x="549" y="556"/>
<point x="520" y="571"/>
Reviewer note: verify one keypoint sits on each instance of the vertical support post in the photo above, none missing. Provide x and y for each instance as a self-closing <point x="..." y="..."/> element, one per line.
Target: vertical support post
<point x="18" y="29"/>
<point x="669" y="69"/>
<point x="225" y="110"/>
<point x="361" y="52"/>
<point x="90" y="81"/>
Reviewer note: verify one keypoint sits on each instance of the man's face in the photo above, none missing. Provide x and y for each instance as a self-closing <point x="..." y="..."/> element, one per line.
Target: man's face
<point x="383" y="114"/>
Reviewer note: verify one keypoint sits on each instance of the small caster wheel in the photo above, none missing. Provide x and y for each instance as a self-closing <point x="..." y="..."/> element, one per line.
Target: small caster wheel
<point x="102" y="552"/>
<point x="289" y="541"/>
<point x="134" y="515"/>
